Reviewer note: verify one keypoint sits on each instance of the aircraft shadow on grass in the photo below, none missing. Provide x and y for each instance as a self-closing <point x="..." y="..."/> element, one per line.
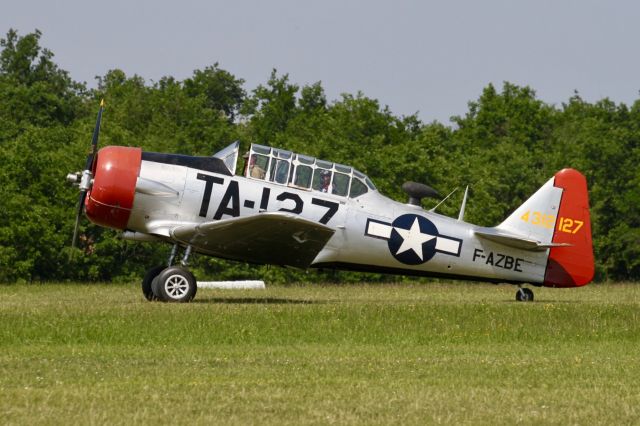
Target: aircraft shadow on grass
<point x="559" y="302"/>
<point x="256" y="301"/>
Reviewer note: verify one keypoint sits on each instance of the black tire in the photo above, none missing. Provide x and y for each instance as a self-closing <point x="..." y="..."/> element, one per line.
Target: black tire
<point x="147" y="291"/>
<point x="175" y="284"/>
<point x="524" y="295"/>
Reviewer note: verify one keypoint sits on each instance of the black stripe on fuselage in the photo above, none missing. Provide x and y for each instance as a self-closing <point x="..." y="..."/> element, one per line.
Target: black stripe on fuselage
<point x="209" y="164"/>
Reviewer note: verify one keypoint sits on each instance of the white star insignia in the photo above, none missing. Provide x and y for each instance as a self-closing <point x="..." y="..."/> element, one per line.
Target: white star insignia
<point x="412" y="239"/>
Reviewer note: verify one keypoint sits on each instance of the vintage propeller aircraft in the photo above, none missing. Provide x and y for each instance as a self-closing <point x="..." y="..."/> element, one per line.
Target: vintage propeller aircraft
<point x="290" y="209"/>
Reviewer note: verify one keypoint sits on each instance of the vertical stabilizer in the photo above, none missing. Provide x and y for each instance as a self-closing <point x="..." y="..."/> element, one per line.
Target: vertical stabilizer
<point x="535" y="218"/>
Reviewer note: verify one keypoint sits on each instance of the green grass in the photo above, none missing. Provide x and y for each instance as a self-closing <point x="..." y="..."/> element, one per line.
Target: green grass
<point x="370" y="354"/>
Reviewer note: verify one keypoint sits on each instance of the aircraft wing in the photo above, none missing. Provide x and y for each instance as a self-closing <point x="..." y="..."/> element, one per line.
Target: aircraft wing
<point x="273" y="238"/>
<point x="513" y="240"/>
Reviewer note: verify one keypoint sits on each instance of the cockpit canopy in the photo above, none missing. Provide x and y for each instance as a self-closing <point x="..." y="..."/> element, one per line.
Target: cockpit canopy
<point x="303" y="172"/>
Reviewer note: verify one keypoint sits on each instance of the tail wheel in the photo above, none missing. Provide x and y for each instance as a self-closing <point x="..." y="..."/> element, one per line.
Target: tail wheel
<point x="524" y="295"/>
<point x="148" y="279"/>
<point x="174" y="284"/>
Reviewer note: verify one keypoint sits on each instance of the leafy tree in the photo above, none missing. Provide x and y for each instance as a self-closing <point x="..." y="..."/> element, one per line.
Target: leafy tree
<point x="313" y="99"/>
<point x="601" y="139"/>
<point x="220" y="89"/>
<point x="505" y="146"/>
<point x="33" y="90"/>
<point x="271" y="107"/>
<point x="508" y="128"/>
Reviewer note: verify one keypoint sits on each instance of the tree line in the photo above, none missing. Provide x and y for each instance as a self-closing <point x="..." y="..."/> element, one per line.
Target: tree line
<point x="505" y="146"/>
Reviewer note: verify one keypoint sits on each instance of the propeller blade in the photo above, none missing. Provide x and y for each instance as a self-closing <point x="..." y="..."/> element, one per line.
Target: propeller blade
<point x="88" y="165"/>
<point x="94" y="139"/>
<point x="83" y="195"/>
<point x="85" y="180"/>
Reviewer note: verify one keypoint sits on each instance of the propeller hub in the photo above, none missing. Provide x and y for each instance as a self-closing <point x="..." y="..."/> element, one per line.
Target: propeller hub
<point x="85" y="180"/>
<point x="74" y="178"/>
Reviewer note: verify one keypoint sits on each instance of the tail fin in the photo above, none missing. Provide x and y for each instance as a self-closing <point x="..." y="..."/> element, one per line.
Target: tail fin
<point x="557" y="215"/>
<point x="571" y="266"/>
<point x="535" y="218"/>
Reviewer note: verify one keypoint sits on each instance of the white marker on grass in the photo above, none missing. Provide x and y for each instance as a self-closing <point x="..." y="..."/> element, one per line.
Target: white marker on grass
<point x="233" y="285"/>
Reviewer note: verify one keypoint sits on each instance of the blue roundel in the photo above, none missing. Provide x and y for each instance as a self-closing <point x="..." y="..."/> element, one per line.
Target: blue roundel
<point x="413" y="239"/>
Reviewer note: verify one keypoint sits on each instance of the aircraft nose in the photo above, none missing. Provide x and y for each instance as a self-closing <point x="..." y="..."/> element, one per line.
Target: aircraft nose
<point x="110" y="199"/>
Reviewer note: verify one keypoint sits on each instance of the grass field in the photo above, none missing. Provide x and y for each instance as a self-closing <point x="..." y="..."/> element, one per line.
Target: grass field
<point x="369" y="354"/>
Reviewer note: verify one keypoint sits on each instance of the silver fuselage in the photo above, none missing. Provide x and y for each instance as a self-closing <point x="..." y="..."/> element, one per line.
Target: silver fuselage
<point x="366" y="227"/>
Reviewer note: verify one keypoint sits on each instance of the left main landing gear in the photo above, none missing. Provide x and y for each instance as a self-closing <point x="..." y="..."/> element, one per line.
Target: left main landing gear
<point x="524" y="295"/>
<point x="172" y="283"/>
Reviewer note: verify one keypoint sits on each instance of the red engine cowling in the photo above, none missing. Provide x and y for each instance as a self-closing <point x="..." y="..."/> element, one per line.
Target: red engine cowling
<point x="110" y="199"/>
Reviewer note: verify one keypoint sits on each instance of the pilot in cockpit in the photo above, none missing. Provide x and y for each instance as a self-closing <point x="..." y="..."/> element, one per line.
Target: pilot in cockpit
<point x="326" y="180"/>
<point x="255" y="171"/>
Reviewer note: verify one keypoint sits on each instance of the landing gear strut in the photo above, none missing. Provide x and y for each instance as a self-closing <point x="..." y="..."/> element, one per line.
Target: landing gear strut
<point x="171" y="283"/>
<point x="524" y="295"/>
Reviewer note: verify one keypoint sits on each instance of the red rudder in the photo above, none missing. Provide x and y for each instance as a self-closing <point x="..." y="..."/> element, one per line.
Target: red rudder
<point x="571" y="265"/>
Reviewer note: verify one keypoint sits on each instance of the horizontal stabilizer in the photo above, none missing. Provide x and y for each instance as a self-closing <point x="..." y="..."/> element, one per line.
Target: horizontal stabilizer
<point x="515" y="241"/>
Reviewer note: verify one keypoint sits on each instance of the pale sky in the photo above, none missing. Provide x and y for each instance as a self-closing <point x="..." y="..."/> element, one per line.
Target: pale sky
<point x="429" y="57"/>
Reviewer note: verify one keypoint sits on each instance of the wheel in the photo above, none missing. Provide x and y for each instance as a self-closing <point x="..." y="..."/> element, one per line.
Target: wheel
<point x="524" y="295"/>
<point x="174" y="284"/>
<point x="146" y="282"/>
